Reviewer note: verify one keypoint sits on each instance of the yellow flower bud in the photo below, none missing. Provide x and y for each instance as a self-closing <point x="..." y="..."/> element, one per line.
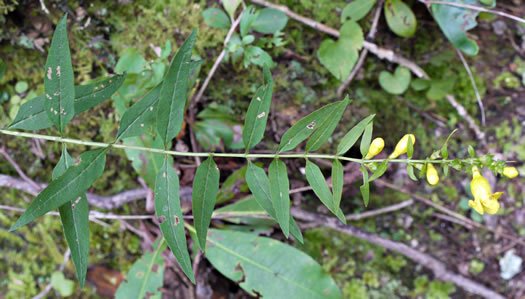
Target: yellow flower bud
<point x="484" y="199"/>
<point x="510" y="172"/>
<point x="375" y="148"/>
<point x="402" y="146"/>
<point x="432" y="175"/>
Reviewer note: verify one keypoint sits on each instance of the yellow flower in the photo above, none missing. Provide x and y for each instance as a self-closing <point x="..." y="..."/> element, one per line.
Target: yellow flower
<point x="484" y="199"/>
<point x="375" y="148"/>
<point x="402" y="146"/>
<point x="510" y="172"/>
<point x="432" y="175"/>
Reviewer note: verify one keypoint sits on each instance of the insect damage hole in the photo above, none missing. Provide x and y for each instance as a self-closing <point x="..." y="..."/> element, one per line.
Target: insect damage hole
<point x="49" y="73"/>
<point x="259" y="99"/>
<point x="161" y="219"/>
<point x="261" y="115"/>
<point x="311" y="125"/>
<point x="177" y="221"/>
<point x="58" y="70"/>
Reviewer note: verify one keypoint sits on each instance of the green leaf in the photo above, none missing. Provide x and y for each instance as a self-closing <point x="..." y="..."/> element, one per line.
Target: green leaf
<point x="445" y="169"/>
<point x="306" y="127"/>
<point x="471" y="151"/>
<point x="59" y="79"/>
<point x="146" y="275"/>
<point x="146" y="164"/>
<point x="351" y="137"/>
<point x="21" y="87"/>
<point x="357" y="9"/>
<point x="262" y="267"/>
<point x="325" y="129"/>
<point x="216" y="18"/>
<point x="258" y="112"/>
<point x="72" y="184"/>
<point x="169" y="213"/>
<point x="257" y="56"/>
<point x="397" y="83"/>
<point x="139" y="117"/>
<point x="32" y="115"/>
<point x="232" y="185"/>
<point x="173" y="92"/>
<point x="75" y="221"/>
<point x="365" y="188"/>
<point x="131" y="62"/>
<point x="379" y="171"/>
<point x="400" y="18"/>
<point x="410" y="147"/>
<point x="269" y="21"/>
<point x="337" y="182"/>
<point x="280" y="193"/>
<point x="366" y="139"/>
<point x="248" y="17"/>
<point x="410" y="171"/>
<point x="2" y="69"/>
<point x="444" y="151"/>
<point x="419" y="84"/>
<point x="340" y="57"/>
<point x="65" y="287"/>
<point x="231" y="6"/>
<point x="259" y="185"/>
<point x="205" y="189"/>
<point x="455" y="22"/>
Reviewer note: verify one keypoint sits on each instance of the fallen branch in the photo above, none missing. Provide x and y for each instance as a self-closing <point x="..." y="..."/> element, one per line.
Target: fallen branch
<point x="380" y="211"/>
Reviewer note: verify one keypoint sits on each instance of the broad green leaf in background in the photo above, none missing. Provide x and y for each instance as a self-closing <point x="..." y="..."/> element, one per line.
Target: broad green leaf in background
<point x="173" y="92"/>
<point x="268" y="268"/>
<point x="280" y="193"/>
<point x="357" y="9"/>
<point x="59" y="79"/>
<point x="2" y="69"/>
<point x="72" y="184"/>
<point x="216" y="18"/>
<point x="146" y="164"/>
<point x="325" y="129"/>
<point x="400" y="18"/>
<point x="269" y="21"/>
<point x="456" y="21"/>
<point x="337" y="182"/>
<point x="169" y="213"/>
<point x="441" y="87"/>
<point x="205" y="189"/>
<point x="397" y="83"/>
<point x="340" y="57"/>
<point x="231" y="6"/>
<point x="32" y="115"/>
<point x="306" y="126"/>
<point x="381" y="169"/>
<point x="258" y="111"/>
<point x="139" y="117"/>
<point x="248" y="17"/>
<point x="130" y="62"/>
<point x="419" y="84"/>
<point x="259" y="185"/>
<point x="351" y="137"/>
<point x="21" y="87"/>
<point x="75" y="221"/>
<point x="232" y="185"/>
<point x="366" y="139"/>
<point x="257" y="56"/>
<point x="365" y="188"/>
<point x="146" y="275"/>
<point x="65" y="287"/>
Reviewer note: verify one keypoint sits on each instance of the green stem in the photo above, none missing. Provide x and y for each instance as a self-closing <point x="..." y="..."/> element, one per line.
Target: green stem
<point x="206" y="154"/>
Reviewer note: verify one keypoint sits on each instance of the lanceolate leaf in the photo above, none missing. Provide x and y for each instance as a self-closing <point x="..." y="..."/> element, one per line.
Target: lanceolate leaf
<point x="32" y="114"/>
<point x="173" y="92"/>
<point x="75" y="221"/>
<point x="258" y="111"/>
<point x="337" y="182"/>
<point x="366" y="139"/>
<point x="205" y="189"/>
<point x="139" y="117"/>
<point x="365" y="188"/>
<point x="146" y="275"/>
<point x="327" y="127"/>
<point x="306" y="127"/>
<point x="59" y="79"/>
<point x="351" y="137"/>
<point x="268" y="268"/>
<point x="168" y="210"/>
<point x="280" y="193"/>
<point x="259" y="185"/>
<point x="72" y="184"/>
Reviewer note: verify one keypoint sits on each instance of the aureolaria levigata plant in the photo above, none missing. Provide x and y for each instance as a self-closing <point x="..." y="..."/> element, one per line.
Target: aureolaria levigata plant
<point x="163" y="109"/>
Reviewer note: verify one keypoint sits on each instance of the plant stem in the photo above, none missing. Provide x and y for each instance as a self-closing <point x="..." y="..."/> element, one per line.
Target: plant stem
<point x="206" y="154"/>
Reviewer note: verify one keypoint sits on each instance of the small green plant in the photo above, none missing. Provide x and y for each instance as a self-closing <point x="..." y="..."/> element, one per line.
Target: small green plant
<point x="159" y="114"/>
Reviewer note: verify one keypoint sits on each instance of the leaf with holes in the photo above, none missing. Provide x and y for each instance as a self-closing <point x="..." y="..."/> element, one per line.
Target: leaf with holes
<point x="146" y="275"/>
<point x="337" y="182"/>
<point x="400" y="18"/>
<point x="357" y="9"/>
<point x="72" y="184"/>
<point x="59" y="79"/>
<point x="205" y="189"/>
<point x="366" y="139"/>
<point x="259" y="185"/>
<point x="75" y="221"/>
<point x="169" y="213"/>
<point x="216" y="18"/>
<point x="173" y="92"/>
<point x="269" y="21"/>
<point x="32" y="114"/>
<point x="262" y="267"/>
<point x="258" y="111"/>
<point x="351" y="137"/>
<point x="280" y="194"/>
<point x="326" y="128"/>
<point x="139" y="117"/>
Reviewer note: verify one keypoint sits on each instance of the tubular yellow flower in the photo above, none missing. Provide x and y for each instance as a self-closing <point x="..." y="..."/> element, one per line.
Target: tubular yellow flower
<point x="484" y="199"/>
<point x="510" y="172"/>
<point x="376" y="147"/>
<point x="402" y="146"/>
<point x="432" y="175"/>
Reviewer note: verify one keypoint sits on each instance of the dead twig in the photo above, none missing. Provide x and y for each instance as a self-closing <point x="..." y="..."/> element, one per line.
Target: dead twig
<point x="380" y="211"/>
<point x="470" y="121"/>
<point x="13" y="163"/>
<point x="473" y="82"/>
